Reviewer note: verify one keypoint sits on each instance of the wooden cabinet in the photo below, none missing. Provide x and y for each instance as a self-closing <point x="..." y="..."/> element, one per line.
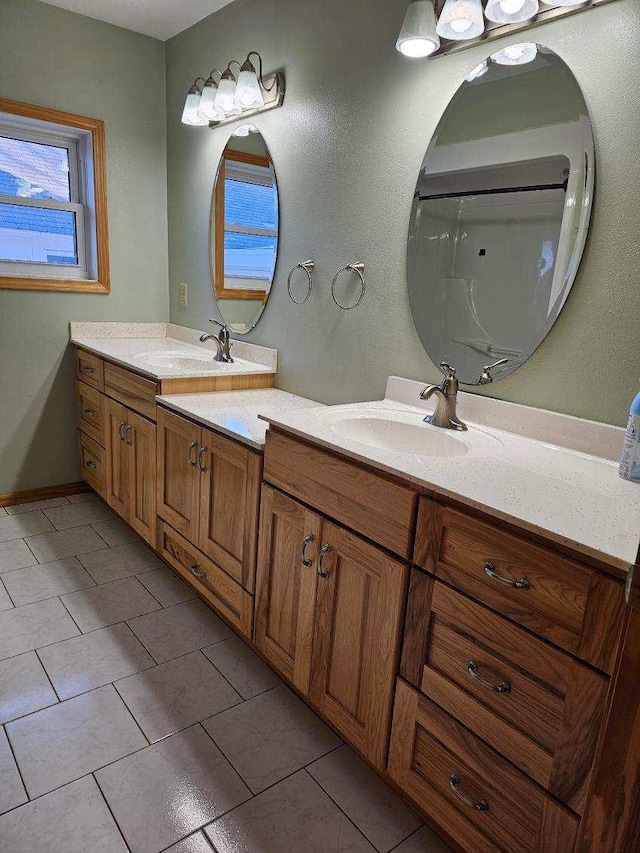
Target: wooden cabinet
<point x="90" y="369"/>
<point x="329" y="616"/>
<point x="117" y="459"/>
<point x="208" y="490"/>
<point x="92" y="463"/>
<point x="91" y="410"/>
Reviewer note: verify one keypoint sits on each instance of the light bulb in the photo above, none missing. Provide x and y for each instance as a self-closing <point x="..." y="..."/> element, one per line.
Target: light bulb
<point x="516" y="54"/>
<point x="418" y="35"/>
<point x="248" y="94"/>
<point x="461" y="20"/>
<point x="223" y="102"/>
<point x="511" y="11"/>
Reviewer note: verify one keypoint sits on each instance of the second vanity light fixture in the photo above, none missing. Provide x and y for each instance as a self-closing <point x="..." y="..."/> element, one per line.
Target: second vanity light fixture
<point x="458" y="21"/>
<point x="211" y="102"/>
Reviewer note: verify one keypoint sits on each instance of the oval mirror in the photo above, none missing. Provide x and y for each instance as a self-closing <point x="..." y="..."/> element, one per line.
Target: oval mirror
<point x="244" y="229"/>
<point x="500" y="212"/>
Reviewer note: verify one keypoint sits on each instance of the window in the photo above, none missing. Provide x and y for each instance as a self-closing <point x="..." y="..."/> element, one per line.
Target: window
<point x="53" y="218"/>
<point x="247" y="226"/>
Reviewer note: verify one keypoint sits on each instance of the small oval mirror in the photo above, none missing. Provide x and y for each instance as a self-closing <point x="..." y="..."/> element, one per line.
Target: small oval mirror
<point x="500" y="213"/>
<point x="244" y="229"/>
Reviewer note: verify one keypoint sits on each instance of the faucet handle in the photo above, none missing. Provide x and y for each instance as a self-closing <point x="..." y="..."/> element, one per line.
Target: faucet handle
<point x="446" y="368"/>
<point x="485" y="377"/>
<point x="218" y="323"/>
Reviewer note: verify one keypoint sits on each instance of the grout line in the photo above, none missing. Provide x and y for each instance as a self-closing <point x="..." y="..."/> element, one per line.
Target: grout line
<point x="15" y="761"/>
<point x="3" y="586"/>
<point x="230" y="763"/>
<point x="35" y="651"/>
<point x="111" y="812"/>
<point x="37" y="563"/>
<point x="72" y="619"/>
<point x="115" y="687"/>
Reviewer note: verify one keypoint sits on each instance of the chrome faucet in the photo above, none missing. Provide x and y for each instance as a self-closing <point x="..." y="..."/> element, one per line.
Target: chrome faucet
<point x="223" y="342"/>
<point x="446" y="396"/>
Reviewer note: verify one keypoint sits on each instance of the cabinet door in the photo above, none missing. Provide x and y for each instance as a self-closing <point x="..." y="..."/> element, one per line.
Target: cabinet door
<point x="359" y="612"/>
<point x="141" y="440"/>
<point x="286" y="585"/>
<point x="229" y="504"/>
<point x="178" y="475"/>
<point x="117" y="459"/>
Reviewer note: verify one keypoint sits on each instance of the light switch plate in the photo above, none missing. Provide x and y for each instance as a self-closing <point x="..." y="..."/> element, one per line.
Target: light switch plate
<point x="183" y="295"/>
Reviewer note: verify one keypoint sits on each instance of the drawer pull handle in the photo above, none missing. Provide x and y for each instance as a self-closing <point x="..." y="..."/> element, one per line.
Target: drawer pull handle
<point x="191" y="460"/>
<point x="489" y="569"/>
<point x="323" y="553"/>
<point x="454" y="781"/>
<point x="127" y="434"/>
<point x="303" y="550"/>
<point x="88" y="412"/>
<point x="194" y="571"/>
<point x="472" y="669"/>
<point x="91" y="464"/>
<point x="201" y="452"/>
<point x="86" y="369"/>
<point x="121" y="430"/>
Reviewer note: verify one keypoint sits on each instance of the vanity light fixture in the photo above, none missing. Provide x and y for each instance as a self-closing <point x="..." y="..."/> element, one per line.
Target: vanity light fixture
<point x="418" y="36"/>
<point x="461" y="20"/>
<point x="215" y="103"/>
<point x="478" y="71"/>
<point x="511" y="11"/>
<point x="570" y="2"/>
<point x="516" y="54"/>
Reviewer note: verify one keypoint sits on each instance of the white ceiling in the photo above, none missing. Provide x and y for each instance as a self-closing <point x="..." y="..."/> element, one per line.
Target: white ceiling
<point x="159" y="18"/>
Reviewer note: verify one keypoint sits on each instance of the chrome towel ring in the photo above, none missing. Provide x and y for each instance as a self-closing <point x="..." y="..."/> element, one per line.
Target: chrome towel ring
<point x="308" y="267"/>
<point x="358" y="269"/>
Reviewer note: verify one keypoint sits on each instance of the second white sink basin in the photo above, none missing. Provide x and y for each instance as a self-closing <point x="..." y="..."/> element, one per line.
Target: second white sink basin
<point x="406" y="432"/>
<point x="179" y="360"/>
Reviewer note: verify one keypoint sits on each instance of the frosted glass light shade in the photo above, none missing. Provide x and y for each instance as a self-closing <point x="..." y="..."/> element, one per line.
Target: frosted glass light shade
<point x="190" y="112"/>
<point x="461" y="20"/>
<point x="223" y="101"/>
<point x="207" y="109"/>
<point x="248" y="94"/>
<point x="511" y="11"/>
<point x="418" y="36"/>
<point x="245" y="130"/>
<point x="568" y="2"/>
<point x="478" y="71"/>
<point x="516" y="54"/>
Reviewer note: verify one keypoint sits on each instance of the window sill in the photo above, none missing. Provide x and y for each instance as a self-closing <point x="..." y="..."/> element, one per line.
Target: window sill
<point x="60" y="284"/>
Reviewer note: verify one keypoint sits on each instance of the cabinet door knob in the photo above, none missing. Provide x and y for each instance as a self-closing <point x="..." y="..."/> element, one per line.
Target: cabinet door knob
<point x="127" y="435"/>
<point x="303" y="550"/>
<point x="88" y="412"/>
<point x="91" y="464"/>
<point x="489" y="569"/>
<point x="190" y="458"/>
<point x="473" y="670"/>
<point x="201" y="453"/>
<point x="323" y="553"/>
<point x="194" y="571"/>
<point x="480" y="806"/>
<point x="86" y="369"/>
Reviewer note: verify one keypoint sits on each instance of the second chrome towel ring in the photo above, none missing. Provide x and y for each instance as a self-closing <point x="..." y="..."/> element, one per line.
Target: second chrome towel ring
<point x="308" y="267"/>
<point x="358" y="269"/>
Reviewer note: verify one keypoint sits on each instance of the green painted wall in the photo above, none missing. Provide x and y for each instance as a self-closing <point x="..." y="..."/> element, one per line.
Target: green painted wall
<point x="347" y="146"/>
<point x="65" y="61"/>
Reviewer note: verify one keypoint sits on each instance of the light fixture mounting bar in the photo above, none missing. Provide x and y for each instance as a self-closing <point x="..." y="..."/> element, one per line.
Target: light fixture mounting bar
<point x="495" y="31"/>
<point x="272" y="87"/>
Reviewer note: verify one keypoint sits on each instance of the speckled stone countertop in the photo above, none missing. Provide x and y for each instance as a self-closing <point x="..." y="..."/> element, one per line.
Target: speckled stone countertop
<point x="235" y="413"/>
<point x="572" y="497"/>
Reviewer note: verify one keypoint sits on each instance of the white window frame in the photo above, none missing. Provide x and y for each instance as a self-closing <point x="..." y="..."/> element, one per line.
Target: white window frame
<point x="81" y="182"/>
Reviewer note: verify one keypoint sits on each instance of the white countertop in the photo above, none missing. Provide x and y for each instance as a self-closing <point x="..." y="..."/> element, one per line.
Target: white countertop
<point x="235" y="413"/>
<point x="571" y="497"/>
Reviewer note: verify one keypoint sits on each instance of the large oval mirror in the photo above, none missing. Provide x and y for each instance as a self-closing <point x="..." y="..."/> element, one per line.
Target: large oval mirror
<point x="244" y="229"/>
<point x="500" y="212"/>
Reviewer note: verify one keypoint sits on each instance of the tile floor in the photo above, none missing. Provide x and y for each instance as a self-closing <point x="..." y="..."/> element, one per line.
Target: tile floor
<point x="133" y="719"/>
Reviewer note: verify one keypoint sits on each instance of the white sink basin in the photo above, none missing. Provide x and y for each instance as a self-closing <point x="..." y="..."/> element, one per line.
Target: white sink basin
<point x="179" y="360"/>
<point x="406" y="432"/>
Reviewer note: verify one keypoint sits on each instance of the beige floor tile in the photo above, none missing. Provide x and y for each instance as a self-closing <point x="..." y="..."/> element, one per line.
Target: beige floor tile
<point x="64" y="543"/>
<point x="78" y="515"/>
<point x="423" y="841"/>
<point x="179" y="630"/>
<point x="46" y="580"/>
<point x="295" y="815"/>
<point x="170" y="789"/>
<point x="73" y="819"/>
<point x="24" y="687"/>
<point x="3" y="511"/>
<point x="176" y="694"/>
<point x="166" y="586"/>
<point x="12" y="792"/>
<point x="248" y="673"/>
<point x="34" y="625"/>
<point x="196" y="843"/>
<point x="92" y="660"/>
<point x="380" y="815"/>
<point x="109" y="603"/>
<point x="82" y="497"/>
<point x="47" y="503"/>
<point x="120" y="562"/>
<point x="116" y="532"/>
<point x="20" y="526"/>
<point x="69" y="740"/>
<point x="5" y="601"/>
<point x="270" y="737"/>
<point x="15" y="555"/>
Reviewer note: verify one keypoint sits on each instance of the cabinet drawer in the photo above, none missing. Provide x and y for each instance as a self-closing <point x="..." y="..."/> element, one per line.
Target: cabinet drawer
<point x="534" y="704"/>
<point x="371" y="504"/>
<point x="214" y="585"/>
<point x="90" y="369"/>
<point x="566" y="602"/>
<point x="484" y="802"/>
<point x="92" y="463"/>
<point x="132" y="390"/>
<point x="91" y="412"/>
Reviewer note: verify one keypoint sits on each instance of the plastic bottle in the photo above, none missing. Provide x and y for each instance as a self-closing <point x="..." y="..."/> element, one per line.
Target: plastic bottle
<point x="630" y="457"/>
